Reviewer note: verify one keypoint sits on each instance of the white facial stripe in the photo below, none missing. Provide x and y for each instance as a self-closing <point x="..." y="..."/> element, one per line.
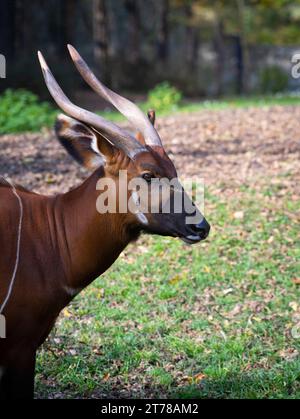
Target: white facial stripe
<point x="96" y="161"/>
<point x="135" y="198"/>
<point x="72" y="292"/>
<point x="94" y="146"/>
<point x="139" y="215"/>
<point x="142" y="218"/>
<point x="99" y="159"/>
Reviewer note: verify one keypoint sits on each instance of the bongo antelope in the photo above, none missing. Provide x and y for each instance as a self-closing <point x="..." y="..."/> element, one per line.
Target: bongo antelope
<point x="64" y="242"/>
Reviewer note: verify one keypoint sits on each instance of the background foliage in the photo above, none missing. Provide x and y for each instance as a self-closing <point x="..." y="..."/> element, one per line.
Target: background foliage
<point x="205" y="48"/>
<point x="20" y="110"/>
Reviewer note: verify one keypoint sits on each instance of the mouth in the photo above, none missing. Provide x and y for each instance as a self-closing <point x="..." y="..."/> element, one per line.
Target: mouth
<point x="191" y="239"/>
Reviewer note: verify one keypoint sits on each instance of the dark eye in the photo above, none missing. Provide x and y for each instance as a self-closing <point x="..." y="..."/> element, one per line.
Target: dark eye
<point x="147" y="177"/>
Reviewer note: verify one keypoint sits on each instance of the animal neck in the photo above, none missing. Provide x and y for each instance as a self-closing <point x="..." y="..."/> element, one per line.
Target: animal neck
<point x="91" y="241"/>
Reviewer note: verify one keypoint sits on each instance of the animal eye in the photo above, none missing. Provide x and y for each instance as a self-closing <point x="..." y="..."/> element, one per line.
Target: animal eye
<point x="147" y="177"/>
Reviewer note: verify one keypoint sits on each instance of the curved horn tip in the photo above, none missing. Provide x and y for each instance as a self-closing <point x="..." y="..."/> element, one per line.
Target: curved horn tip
<point x="42" y="61"/>
<point x="73" y="52"/>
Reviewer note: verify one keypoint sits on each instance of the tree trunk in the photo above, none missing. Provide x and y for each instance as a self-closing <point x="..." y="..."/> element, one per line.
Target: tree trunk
<point x="163" y="35"/>
<point x="100" y="31"/>
<point x="219" y="47"/>
<point x="134" y="29"/>
<point x="192" y="40"/>
<point x="242" y="56"/>
<point x="7" y="25"/>
<point x="68" y="21"/>
<point x="239" y="65"/>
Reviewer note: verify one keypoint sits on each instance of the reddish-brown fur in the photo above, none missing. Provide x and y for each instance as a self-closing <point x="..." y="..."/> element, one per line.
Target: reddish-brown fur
<point x="65" y="245"/>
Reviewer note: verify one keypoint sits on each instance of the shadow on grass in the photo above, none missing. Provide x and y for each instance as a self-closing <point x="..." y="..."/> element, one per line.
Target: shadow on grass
<point x="258" y="385"/>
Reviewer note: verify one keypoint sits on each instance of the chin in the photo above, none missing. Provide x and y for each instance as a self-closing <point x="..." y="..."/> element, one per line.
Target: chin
<point x="191" y="240"/>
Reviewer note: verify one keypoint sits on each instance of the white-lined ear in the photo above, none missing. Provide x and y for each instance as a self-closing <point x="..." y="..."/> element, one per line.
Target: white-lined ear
<point x="86" y="146"/>
<point x="152" y="116"/>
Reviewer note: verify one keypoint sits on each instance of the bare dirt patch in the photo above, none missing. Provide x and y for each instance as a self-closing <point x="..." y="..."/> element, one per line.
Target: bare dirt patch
<point x="227" y="148"/>
<point x="234" y="295"/>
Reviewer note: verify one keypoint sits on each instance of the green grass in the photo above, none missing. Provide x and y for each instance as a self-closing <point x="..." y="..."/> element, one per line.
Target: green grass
<point x="231" y="102"/>
<point x="168" y="320"/>
<point x="21" y="111"/>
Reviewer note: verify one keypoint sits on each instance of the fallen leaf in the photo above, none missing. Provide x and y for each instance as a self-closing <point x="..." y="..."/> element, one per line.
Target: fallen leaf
<point x="207" y="269"/>
<point x="175" y="280"/>
<point x="289" y="354"/>
<point x="257" y="319"/>
<point x="235" y="311"/>
<point x="296" y="281"/>
<point x="228" y="291"/>
<point x="106" y="377"/>
<point x="66" y="313"/>
<point x="199" y="377"/>
<point x="293" y="305"/>
<point x="239" y="215"/>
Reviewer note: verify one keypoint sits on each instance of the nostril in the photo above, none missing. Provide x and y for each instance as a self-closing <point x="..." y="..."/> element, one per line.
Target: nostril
<point x="203" y="229"/>
<point x="203" y="234"/>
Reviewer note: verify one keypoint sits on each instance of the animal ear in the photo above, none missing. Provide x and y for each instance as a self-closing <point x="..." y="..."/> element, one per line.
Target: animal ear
<point x="86" y="146"/>
<point x="152" y="117"/>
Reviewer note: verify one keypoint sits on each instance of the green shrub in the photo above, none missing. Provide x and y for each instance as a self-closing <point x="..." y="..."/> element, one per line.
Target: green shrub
<point x="273" y="80"/>
<point x="20" y="110"/>
<point x="164" y="97"/>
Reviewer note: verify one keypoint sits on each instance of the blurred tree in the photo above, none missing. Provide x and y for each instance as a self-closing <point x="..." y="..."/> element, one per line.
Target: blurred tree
<point x="101" y="35"/>
<point x="223" y="22"/>
<point x="192" y="36"/>
<point x="242" y="49"/>
<point x="272" y="21"/>
<point x="149" y="38"/>
<point x="163" y="33"/>
<point x="134" y="30"/>
<point x="220" y="52"/>
<point x="7" y="28"/>
<point x="68" y="11"/>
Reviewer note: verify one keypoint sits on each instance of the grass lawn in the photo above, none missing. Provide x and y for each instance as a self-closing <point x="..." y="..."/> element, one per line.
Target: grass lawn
<point x="168" y="320"/>
<point x="233" y="102"/>
<point x="217" y="320"/>
<point x="21" y="111"/>
<point x="214" y="320"/>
